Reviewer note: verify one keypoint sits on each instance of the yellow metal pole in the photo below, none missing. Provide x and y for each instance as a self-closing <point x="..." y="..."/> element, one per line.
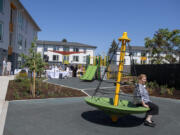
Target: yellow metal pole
<point x="124" y="40"/>
<point x="94" y="60"/>
<point x="105" y="59"/>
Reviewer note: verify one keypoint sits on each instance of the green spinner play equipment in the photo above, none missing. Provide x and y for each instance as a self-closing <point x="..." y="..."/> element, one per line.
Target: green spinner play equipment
<point x="116" y="107"/>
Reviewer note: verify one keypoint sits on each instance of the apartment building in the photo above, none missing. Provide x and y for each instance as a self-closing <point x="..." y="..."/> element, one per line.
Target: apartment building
<point x="52" y="51"/>
<point x="17" y="31"/>
<point x="140" y="55"/>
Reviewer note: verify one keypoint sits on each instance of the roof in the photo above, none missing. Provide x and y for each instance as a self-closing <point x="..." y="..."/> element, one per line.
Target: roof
<point x="59" y="43"/>
<point x="30" y="17"/>
<point x="137" y="48"/>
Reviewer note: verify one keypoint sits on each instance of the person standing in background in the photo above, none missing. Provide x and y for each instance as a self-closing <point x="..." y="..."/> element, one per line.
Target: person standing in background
<point x="8" y="68"/>
<point x="4" y="67"/>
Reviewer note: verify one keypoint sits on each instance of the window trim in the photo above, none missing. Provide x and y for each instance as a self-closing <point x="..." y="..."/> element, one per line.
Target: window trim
<point x="75" y="58"/>
<point x="56" y="58"/>
<point x="19" y="42"/>
<point x="1" y="40"/>
<point x="75" y="49"/>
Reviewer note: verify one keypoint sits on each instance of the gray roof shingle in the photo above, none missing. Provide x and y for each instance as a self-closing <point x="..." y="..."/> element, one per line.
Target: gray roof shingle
<point x="59" y="43"/>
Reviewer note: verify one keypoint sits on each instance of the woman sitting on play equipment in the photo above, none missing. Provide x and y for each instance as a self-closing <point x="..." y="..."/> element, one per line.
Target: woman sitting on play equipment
<point x="145" y="101"/>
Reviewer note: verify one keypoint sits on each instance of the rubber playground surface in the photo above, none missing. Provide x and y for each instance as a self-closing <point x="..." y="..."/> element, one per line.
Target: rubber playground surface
<point x="67" y="116"/>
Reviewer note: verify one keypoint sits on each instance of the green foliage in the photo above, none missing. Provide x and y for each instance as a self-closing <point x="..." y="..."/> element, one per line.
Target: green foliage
<point x="114" y="47"/>
<point x="33" y="60"/>
<point x="16" y="95"/>
<point x="164" y="42"/>
<point x="152" y="85"/>
<point x="170" y="91"/>
<point x="164" y="89"/>
<point x="64" y="40"/>
<point x="21" y="76"/>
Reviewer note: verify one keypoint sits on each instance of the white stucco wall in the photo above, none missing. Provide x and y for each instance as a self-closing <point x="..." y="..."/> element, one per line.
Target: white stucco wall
<point x="89" y="51"/>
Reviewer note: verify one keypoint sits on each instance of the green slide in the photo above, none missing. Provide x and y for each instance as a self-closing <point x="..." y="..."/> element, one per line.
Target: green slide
<point x="90" y="72"/>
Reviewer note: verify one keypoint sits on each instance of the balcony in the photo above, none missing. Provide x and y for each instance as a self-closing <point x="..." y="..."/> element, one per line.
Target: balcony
<point x="11" y="27"/>
<point x="10" y="50"/>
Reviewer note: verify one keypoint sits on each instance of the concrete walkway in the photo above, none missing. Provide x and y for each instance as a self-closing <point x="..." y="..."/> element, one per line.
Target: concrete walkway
<point x="4" y="81"/>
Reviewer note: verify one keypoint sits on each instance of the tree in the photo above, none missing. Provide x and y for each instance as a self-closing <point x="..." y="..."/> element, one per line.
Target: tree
<point x="64" y="40"/>
<point x="34" y="62"/>
<point x="164" y="46"/>
<point x="114" y="47"/>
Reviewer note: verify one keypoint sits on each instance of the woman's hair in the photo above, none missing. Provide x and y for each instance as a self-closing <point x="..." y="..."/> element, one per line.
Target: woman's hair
<point x="141" y="76"/>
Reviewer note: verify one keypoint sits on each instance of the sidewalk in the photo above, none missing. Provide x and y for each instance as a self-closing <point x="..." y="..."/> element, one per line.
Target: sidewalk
<point x="4" y="81"/>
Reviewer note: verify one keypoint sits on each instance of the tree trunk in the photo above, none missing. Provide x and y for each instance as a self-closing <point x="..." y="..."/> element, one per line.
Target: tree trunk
<point x="31" y="86"/>
<point x="34" y="81"/>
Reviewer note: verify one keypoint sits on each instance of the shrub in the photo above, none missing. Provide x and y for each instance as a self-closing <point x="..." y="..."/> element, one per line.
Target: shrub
<point x="170" y="91"/>
<point x="164" y="89"/>
<point x="152" y="85"/>
<point x="21" y="76"/>
<point x="16" y="95"/>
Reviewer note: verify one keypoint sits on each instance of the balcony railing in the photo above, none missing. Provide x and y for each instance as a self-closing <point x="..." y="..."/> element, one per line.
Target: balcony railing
<point x="10" y="50"/>
<point x="11" y="27"/>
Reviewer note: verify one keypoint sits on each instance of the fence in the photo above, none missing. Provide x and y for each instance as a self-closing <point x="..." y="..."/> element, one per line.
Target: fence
<point x="163" y="74"/>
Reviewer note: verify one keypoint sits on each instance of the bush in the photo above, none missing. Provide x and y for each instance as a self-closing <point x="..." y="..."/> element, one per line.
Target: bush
<point x="165" y="90"/>
<point x="170" y="91"/>
<point x="21" y="76"/>
<point x="16" y="95"/>
<point x="152" y="85"/>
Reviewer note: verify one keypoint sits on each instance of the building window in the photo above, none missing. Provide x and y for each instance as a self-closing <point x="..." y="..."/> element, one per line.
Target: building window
<point x="55" y="57"/>
<point x="1" y="5"/>
<point x="75" y="49"/>
<point x="85" y="50"/>
<point x="25" y="44"/>
<point x="34" y="34"/>
<point x="45" y="49"/>
<point x="46" y="58"/>
<point x="76" y="58"/>
<point x="84" y="58"/>
<point x="20" y="20"/>
<point x="66" y="58"/>
<point x="54" y="48"/>
<point x="1" y="31"/>
<point x="20" y="41"/>
<point x="143" y="53"/>
<point x="66" y="49"/>
<point x="26" y="25"/>
<point x="57" y="48"/>
<point x="134" y="54"/>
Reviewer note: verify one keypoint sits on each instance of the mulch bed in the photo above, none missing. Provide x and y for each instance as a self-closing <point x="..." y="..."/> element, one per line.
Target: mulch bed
<point x="16" y="91"/>
<point x="19" y="91"/>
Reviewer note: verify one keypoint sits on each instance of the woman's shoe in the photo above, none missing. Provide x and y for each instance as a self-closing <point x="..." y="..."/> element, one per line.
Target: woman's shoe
<point x="147" y="123"/>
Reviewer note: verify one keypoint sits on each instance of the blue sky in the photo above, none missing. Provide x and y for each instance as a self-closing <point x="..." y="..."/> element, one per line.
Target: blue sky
<point x="98" y="22"/>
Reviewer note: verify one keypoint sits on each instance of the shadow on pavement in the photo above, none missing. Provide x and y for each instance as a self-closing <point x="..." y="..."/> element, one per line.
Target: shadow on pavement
<point x="101" y="118"/>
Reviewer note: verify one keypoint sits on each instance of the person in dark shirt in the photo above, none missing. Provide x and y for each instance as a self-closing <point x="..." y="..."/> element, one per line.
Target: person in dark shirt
<point x="75" y="71"/>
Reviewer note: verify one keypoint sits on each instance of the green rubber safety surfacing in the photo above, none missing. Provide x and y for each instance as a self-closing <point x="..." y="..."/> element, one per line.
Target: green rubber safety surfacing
<point x="106" y="104"/>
